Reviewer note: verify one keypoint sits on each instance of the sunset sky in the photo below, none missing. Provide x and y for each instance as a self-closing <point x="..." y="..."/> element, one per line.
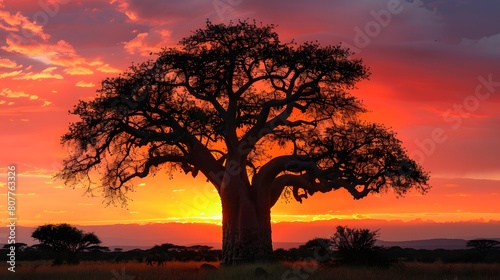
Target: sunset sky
<point x="435" y="80"/>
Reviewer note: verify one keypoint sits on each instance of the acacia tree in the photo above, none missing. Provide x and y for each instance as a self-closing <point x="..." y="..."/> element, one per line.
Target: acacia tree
<point x="484" y="246"/>
<point x="65" y="241"/>
<point x="216" y="104"/>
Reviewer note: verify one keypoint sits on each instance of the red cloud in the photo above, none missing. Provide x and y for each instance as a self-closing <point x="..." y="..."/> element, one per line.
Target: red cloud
<point x="85" y="84"/>
<point x="10" y="74"/>
<point x="6" y="92"/>
<point x="108" y="69"/>
<point x="61" y="53"/>
<point x="124" y="7"/>
<point x="79" y="71"/>
<point x="7" y="63"/>
<point x="11" y="94"/>
<point x="147" y="43"/>
<point x="20" y="23"/>
<point x="45" y="74"/>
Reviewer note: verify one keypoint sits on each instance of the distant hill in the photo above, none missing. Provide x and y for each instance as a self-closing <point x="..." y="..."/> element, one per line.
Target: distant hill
<point x="429" y="244"/>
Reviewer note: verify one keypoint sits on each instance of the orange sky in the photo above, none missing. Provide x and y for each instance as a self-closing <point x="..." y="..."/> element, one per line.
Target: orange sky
<point x="435" y="80"/>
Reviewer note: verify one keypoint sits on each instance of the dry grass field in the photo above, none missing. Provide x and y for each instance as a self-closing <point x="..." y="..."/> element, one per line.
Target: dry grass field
<point x="290" y="271"/>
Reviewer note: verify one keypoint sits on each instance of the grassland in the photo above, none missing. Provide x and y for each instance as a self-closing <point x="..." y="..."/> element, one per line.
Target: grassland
<point x="290" y="271"/>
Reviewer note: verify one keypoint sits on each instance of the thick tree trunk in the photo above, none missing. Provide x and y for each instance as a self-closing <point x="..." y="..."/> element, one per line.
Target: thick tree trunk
<point x="246" y="226"/>
<point x="246" y="246"/>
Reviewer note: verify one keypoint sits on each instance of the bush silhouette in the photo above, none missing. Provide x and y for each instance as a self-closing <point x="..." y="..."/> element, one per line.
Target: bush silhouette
<point x="357" y="247"/>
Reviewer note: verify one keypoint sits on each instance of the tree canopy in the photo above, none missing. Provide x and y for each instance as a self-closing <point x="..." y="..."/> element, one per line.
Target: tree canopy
<point x="238" y="88"/>
<point x="65" y="240"/>
<point x="483" y="246"/>
<point x="353" y="239"/>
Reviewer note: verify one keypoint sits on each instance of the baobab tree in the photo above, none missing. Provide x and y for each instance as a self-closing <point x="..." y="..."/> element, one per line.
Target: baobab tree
<point x="216" y="104"/>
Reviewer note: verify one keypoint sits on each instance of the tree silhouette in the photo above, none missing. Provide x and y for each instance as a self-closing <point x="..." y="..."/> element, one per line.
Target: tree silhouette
<point x="65" y="241"/>
<point x="217" y="104"/>
<point x="356" y="246"/>
<point x="317" y="248"/>
<point x="19" y="246"/>
<point x="484" y="246"/>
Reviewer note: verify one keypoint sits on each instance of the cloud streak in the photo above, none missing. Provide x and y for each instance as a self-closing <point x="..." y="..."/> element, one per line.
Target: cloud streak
<point x="8" y="93"/>
<point x="85" y="84"/>
<point x="10" y="74"/>
<point x="78" y="71"/>
<point x="146" y="43"/>
<point x="47" y="73"/>
<point x="7" y="63"/>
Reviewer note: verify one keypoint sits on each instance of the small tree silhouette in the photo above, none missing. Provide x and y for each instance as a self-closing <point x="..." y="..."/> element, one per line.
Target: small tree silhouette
<point x="484" y="246"/>
<point x="356" y="246"/>
<point x="65" y="241"/>
<point x="19" y="246"/>
<point x="319" y="249"/>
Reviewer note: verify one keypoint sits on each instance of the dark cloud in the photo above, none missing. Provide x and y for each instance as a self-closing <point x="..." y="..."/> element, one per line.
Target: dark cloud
<point x="93" y="24"/>
<point x="171" y="11"/>
<point x="470" y="19"/>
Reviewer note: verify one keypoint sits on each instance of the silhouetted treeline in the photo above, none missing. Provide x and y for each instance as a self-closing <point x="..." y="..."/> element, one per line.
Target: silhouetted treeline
<point x="446" y="256"/>
<point x="309" y="251"/>
<point x="397" y="254"/>
<point x="165" y="252"/>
